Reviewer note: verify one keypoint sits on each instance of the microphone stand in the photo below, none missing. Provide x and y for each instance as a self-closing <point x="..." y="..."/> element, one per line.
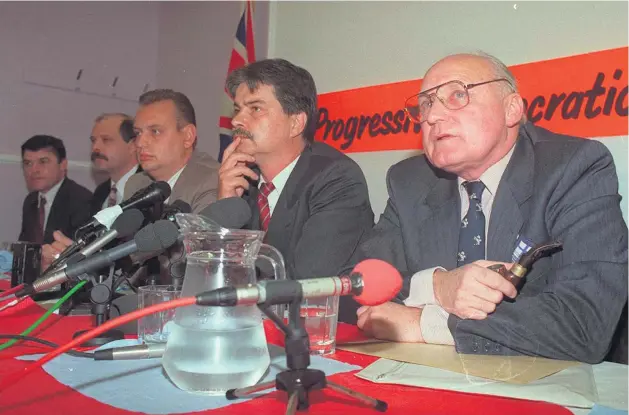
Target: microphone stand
<point x="299" y="380"/>
<point x="101" y="296"/>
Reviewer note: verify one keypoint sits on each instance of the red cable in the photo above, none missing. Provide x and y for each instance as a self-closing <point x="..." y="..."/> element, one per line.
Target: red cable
<point x="13" y="290"/>
<point x="16" y="376"/>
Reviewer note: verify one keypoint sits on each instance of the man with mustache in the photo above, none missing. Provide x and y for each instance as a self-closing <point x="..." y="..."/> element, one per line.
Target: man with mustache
<point x="113" y="152"/>
<point x="55" y="202"/>
<point x="311" y="199"/>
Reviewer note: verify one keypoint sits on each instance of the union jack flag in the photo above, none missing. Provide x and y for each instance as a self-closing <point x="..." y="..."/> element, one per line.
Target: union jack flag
<point x="243" y="52"/>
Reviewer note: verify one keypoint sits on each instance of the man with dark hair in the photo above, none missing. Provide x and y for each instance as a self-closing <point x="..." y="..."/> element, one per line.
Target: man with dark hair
<point x="113" y="152"/>
<point x="54" y="202"/>
<point x="311" y="199"/>
<point x="166" y="135"/>
<point x="488" y="188"/>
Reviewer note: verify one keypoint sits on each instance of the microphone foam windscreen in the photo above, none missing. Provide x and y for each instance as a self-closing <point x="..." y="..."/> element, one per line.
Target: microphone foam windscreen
<point x="179" y="206"/>
<point x="230" y="213"/>
<point x="156" y="236"/>
<point x="128" y="223"/>
<point x="381" y="281"/>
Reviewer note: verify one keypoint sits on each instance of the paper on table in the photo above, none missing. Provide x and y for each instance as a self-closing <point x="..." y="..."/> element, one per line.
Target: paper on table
<point x="511" y="369"/>
<point x="573" y="387"/>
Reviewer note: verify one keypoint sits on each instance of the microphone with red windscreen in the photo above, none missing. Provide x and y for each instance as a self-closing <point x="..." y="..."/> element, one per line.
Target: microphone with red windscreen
<point x="371" y="282"/>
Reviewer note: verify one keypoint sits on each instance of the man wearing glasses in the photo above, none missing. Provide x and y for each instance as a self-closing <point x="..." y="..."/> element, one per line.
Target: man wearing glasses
<point x="488" y="187"/>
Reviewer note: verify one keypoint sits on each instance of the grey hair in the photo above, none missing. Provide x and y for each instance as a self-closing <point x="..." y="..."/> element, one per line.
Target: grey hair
<point x="108" y="115"/>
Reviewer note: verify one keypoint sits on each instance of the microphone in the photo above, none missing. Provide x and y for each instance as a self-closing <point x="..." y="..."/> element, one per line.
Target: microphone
<point x="124" y="226"/>
<point x="178" y="206"/>
<point x="371" y="282"/>
<point x="141" y="351"/>
<point x="153" y="237"/>
<point x="230" y="213"/>
<point x="152" y="194"/>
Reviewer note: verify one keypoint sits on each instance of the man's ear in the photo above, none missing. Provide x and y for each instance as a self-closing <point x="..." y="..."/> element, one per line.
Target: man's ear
<point x="190" y="135"/>
<point x="298" y="124"/>
<point x="64" y="166"/>
<point x="514" y="109"/>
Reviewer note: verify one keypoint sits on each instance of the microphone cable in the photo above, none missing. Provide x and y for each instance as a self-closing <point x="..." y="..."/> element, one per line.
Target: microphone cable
<point x="19" y="337"/>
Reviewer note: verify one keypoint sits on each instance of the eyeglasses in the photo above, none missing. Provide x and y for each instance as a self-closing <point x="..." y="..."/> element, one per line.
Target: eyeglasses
<point x="453" y="95"/>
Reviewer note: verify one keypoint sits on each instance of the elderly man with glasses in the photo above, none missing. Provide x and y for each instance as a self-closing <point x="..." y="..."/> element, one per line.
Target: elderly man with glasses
<point x="489" y="187"/>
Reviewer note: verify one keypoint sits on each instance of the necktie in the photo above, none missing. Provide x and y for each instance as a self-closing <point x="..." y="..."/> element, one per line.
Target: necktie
<point x="112" y="201"/>
<point x="472" y="233"/>
<point x="263" y="204"/>
<point x="41" y="218"/>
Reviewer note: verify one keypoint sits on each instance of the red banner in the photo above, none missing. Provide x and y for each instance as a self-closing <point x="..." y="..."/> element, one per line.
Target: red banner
<point x="582" y="95"/>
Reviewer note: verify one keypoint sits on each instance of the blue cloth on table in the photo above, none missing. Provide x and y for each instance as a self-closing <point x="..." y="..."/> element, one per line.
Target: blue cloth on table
<point x="141" y="385"/>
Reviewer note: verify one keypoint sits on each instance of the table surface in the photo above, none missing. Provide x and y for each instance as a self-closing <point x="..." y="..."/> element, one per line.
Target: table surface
<point x="41" y="393"/>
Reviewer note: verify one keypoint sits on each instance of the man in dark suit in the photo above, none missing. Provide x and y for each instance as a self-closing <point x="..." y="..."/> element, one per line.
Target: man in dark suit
<point x="488" y="187"/>
<point x="55" y="202"/>
<point x="310" y="198"/>
<point x="114" y="153"/>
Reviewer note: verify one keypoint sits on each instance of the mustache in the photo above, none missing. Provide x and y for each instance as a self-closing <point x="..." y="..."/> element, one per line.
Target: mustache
<point x="242" y="132"/>
<point x="97" y="155"/>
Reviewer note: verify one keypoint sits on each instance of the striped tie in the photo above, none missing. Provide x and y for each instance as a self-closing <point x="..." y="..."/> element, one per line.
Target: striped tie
<point x="263" y="204"/>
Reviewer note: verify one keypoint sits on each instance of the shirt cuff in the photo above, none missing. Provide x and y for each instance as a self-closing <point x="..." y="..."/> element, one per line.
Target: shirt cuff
<point x="421" y="291"/>
<point x="434" y="325"/>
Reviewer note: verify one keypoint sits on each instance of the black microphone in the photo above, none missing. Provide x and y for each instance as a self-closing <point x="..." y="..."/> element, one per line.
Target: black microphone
<point x="178" y="206"/>
<point x="152" y="194"/>
<point x="230" y="213"/>
<point x="154" y="237"/>
<point x="371" y="282"/>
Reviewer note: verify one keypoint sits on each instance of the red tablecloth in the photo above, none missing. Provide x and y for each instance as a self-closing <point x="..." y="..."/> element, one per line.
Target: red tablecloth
<point x="40" y="393"/>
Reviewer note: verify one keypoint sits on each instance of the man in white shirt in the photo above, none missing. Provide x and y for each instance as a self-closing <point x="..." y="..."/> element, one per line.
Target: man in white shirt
<point x="311" y="199"/>
<point x="114" y="153"/>
<point x="488" y="187"/>
<point x="54" y="201"/>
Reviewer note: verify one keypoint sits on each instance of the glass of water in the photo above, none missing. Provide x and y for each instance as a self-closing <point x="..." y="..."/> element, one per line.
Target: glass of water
<point x="155" y="327"/>
<point x="319" y="317"/>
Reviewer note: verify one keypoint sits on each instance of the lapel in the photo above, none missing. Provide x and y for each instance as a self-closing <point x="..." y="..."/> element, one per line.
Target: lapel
<point x="439" y="222"/>
<point x="57" y="208"/>
<point x="509" y="210"/>
<point x="182" y="187"/>
<point x="31" y="220"/>
<point x="282" y="217"/>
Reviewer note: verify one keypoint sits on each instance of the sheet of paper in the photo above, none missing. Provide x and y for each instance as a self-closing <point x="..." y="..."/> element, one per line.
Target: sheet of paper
<point x="511" y="369"/>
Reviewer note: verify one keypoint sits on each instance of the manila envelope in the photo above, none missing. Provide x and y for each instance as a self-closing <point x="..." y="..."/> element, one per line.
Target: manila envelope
<point x="510" y="369"/>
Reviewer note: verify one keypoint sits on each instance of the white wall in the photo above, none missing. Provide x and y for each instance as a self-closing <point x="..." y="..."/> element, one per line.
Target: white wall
<point x="352" y="44"/>
<point x="195" y="43"/>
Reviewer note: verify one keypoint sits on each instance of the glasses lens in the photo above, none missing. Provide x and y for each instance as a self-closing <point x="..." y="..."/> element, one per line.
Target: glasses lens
<point x="453" y="95"/>
<point x="412" y="108"/>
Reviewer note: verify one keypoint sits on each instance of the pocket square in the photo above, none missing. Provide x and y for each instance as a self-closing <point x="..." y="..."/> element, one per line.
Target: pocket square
<point x="522" y="246"/>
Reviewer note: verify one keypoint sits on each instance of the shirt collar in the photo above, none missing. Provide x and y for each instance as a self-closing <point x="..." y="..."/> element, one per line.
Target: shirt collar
<point x="282" y="177"/>
<point x="51" y="194"/>
<point x="491" y="177"/>
<point x="173" y="180"/>
<point x="120" y="184"/>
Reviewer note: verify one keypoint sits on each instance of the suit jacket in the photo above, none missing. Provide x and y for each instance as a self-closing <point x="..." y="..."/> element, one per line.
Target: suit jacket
<point x="554" y="188"/>
<point x="320" y="216"/>
<point x="69" y="210"/>
<point x="197" y="185"/>
<point x="101" y="193"/>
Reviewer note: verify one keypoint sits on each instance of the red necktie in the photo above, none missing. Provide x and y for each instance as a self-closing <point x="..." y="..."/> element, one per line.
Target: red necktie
<point x="263" y="204"/>
<point x="41" y="219"/>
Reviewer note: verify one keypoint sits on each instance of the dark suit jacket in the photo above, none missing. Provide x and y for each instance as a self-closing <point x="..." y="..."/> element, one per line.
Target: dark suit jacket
<point x="320" y="216"/>
<point x="69" y="210"/>
<point x="101" y="193"/>
<point x="554" y="188"/>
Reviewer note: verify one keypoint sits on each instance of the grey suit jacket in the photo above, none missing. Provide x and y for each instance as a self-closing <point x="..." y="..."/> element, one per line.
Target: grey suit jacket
<point x="554" y="188"/>
<point x="197" y="185"/>
<point x="321" y="214"/>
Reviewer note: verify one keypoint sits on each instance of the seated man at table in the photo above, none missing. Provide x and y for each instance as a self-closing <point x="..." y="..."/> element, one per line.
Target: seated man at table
<point x="488" y="185"/>
<point x="310" y="198"/>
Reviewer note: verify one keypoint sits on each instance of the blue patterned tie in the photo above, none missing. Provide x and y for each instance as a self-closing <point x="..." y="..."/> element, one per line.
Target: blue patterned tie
<point x="472" y="234"/>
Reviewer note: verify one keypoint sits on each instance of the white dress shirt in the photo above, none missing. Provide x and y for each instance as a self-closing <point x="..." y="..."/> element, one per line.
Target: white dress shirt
<point x="434" y="319"/>
<point x="50" y="198"/>
<point x="173" y="181"/>
<point x="120" y="184"/>
<point x="279" y="182"/>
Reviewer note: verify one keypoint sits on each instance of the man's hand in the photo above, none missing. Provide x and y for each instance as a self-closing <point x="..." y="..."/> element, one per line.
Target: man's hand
<point x="50" y="252"/>
<point x="391" y="321"/>
<point x="232" y="175"/>
<point x="472" y="291"/>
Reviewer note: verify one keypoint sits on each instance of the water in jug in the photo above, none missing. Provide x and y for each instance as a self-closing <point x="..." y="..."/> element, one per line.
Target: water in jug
<point x="213" y="349"/>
